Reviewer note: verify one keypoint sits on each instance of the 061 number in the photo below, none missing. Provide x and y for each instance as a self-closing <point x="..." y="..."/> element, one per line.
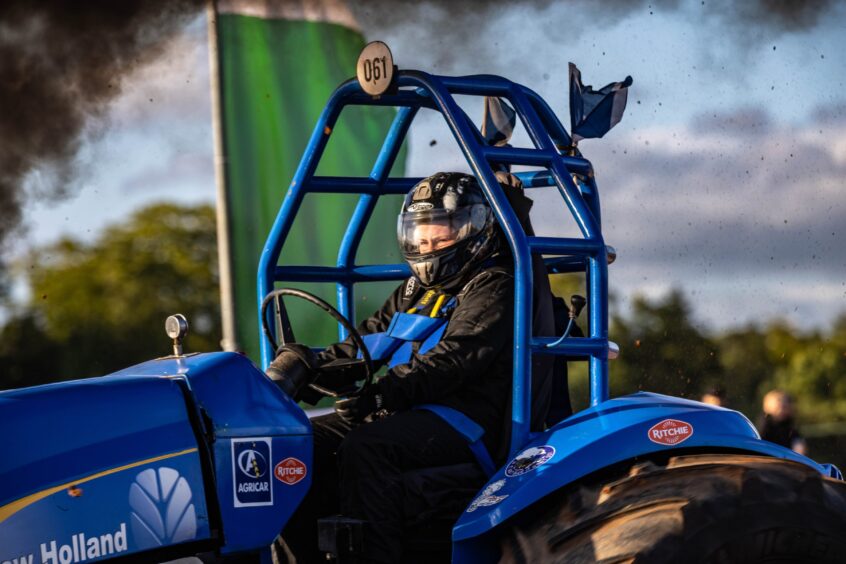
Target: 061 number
<point x="375" y="69"/>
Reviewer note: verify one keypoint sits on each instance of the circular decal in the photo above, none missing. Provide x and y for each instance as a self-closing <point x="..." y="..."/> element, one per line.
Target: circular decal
<point x="529" y="459"/>
<point x="670" y="432"/>
<point x="375" y="68"/>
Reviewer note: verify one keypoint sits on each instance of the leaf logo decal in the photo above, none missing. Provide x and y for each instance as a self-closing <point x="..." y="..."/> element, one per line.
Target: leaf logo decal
<point x="162" y="512"/>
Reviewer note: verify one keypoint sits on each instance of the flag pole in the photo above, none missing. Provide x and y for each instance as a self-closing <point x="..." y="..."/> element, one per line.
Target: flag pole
<point x="227" y="301"/>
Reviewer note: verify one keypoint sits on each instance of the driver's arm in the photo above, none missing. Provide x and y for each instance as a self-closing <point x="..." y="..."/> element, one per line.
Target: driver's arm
<point x="480" y="327"/>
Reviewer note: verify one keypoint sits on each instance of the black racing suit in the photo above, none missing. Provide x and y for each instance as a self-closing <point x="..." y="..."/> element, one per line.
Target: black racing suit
<point x="782" y="432"/>
<point x="469" y="369"/>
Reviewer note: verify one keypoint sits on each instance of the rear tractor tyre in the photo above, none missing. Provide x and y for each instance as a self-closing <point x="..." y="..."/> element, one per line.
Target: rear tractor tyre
<point x="710" y="509"/>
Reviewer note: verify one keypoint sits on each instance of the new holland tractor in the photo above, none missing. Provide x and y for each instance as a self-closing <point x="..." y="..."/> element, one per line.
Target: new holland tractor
<point x="202" y="454"/>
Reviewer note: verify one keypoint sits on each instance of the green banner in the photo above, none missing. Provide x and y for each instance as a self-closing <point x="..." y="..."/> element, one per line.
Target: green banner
<point x="275" y="77"/>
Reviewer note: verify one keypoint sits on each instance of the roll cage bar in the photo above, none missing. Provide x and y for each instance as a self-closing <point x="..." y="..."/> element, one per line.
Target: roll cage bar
<point x="572" y="175"/>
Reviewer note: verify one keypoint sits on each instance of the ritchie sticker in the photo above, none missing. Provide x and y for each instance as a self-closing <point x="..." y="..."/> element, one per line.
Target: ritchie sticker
<point x="290" y="471"/>
<point x="670" y="432"/>
<point x="251" y="469"/>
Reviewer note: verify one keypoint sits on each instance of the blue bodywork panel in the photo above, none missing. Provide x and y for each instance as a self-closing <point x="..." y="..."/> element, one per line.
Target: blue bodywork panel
<point x="615" y="431"/>
<point x="76" y="451"/>
<point x="110" y="466"/>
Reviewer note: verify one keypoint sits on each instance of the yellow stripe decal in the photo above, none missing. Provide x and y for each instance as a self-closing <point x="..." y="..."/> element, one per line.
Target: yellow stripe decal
<point x="8" y="510"/>
<point x="437" y="306"/>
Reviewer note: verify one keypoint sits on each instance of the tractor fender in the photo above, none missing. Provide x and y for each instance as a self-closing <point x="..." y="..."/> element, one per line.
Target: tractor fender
<point x="612" y="432"/>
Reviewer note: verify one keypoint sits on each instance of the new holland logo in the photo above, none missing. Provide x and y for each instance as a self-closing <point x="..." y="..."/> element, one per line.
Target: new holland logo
<point x="290" y="471"/>
<point x="163" y="511"/>
<point x="670" y="432"/>
<point x="252" y="486"/>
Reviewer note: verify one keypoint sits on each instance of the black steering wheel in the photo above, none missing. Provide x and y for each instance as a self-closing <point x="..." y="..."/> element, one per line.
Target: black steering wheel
<point x="283" y="327"/>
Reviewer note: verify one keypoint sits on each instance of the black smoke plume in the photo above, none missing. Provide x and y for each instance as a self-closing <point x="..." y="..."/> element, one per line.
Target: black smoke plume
<point x="61" y="62"/>
<point x="451" y="28"/>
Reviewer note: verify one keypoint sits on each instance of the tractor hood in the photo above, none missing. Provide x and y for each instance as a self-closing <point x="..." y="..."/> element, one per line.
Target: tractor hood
<point x="130" y="458"/>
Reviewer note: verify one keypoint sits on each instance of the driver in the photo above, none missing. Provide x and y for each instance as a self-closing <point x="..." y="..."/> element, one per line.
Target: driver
<point x="463" y="282"/>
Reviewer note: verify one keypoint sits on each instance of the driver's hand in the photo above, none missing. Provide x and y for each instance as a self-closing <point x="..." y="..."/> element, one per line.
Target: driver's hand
<point x="355" y="409"/>
<point x="292" y="369"/>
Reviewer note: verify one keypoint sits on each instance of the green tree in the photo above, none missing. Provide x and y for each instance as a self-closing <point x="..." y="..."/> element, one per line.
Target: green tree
<point x="750" y="358"/>
<point x="27" y="354"/>
<point x="815" y="374"/>
<point x="661" y="350"/>
<point x="100" y="307"/>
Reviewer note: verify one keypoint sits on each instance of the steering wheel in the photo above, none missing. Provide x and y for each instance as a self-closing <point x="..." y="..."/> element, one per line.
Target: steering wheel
<point x="352" y="364"/>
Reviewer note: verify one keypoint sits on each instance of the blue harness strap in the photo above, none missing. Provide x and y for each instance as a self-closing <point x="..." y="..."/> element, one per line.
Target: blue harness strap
<point x="396" y="345"/>
<point x="402" y="354"/>
<point x="469" y="429"/>
<point x="380" y="345"/>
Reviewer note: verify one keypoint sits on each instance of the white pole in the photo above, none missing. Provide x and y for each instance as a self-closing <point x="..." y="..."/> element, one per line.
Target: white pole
<point x="227" y="301"/>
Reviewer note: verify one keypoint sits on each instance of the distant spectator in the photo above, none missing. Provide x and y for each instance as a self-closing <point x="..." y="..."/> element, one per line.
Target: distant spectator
<point x="778" y="423"/>
<point x="715" y="396"/>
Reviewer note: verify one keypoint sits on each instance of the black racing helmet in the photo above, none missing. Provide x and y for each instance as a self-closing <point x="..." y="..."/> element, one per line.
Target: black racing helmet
<point x="446" y="228"/>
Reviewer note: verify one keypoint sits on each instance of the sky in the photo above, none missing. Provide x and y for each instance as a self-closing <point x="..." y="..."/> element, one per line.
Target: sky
<point x="726" y="177"/>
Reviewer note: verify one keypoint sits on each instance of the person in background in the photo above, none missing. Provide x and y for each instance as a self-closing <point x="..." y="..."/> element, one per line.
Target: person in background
<point x="778" y="424"/>
<point x="714" y="396"/>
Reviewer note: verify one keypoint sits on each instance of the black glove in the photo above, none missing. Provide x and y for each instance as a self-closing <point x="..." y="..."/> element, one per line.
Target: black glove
<point x="292" y="370"/>
<point x="340" y="375"/>
<point x="355" y="409"/>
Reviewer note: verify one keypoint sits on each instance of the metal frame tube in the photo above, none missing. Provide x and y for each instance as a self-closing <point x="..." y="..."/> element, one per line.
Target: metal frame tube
<point x="416" y="89"/>
<point x="364" y="209"/>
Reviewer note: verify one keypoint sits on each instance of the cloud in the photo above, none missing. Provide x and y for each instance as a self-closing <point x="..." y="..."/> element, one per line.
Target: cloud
<point x="180" y="171"/>
<point x="714" y="206"/>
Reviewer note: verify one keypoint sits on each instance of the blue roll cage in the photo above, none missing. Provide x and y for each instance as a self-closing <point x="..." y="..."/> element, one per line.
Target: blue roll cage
<point x="572" y="175"/>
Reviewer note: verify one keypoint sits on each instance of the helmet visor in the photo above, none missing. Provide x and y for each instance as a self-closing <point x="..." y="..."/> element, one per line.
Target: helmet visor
<point x="425" y="232"/>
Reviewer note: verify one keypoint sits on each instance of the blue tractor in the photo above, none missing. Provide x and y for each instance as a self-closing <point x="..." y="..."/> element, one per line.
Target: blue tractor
<point x="202" y="454"/>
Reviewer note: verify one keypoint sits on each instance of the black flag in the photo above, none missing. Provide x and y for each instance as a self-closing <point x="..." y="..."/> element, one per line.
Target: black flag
<point x="594" y="112"/>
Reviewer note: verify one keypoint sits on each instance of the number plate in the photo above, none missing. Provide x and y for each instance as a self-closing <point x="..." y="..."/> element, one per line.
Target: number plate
<point x="375" y="68"/>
